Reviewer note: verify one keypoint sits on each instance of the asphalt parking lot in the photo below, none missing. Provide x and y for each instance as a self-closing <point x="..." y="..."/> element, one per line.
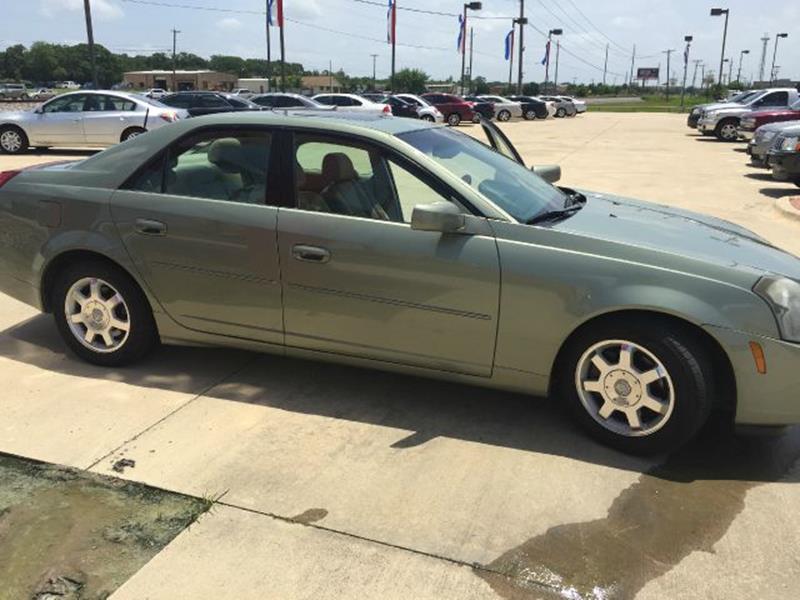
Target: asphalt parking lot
<point x="337" y="482"/>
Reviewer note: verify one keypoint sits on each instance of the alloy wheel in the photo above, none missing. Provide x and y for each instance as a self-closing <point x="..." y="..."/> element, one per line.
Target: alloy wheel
<point x="97" y="315"/>
<point x="503" y="115"/>
<point x="625" y="388"/>
<point x="11" y="141"/>
<point x="728" y="131"/>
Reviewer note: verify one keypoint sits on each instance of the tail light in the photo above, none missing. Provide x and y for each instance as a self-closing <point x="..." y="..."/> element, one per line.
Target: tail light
<point x="169" y="117"/>
<point x="387" y="110"/>
<point x="6" y="176"/>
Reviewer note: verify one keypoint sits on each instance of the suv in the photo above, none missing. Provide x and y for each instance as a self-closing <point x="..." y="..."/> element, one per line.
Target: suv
<point x="13" y="90"/>
<point x="722" y="120"/>
<point x="453" y="108"/>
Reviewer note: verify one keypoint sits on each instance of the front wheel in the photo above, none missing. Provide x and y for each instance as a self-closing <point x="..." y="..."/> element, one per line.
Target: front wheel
<point x="529" y="115"/>
<point x="102" y="315"/>
<point x="561" y="112"/>
<point x="637" y="387"/>
<point x="726" y="130"/>
<point x="131" y="133"/>
<point x="503" y="115"/>
<point x="428" y="118"/>
<point x="13" y="140"/>
<point x="453" y="119"/>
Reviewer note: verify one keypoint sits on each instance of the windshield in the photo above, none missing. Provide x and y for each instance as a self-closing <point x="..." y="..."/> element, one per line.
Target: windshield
<point x="511" y="186"/>
<point x="743" y="96"/>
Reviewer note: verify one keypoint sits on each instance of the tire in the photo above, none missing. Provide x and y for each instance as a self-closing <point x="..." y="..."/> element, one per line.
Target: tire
<point x="476" y="119"/>
<point x="428" y="118"/>
<point x="13" y="140"/>
<point x="529" y="115"/>
<point x="504" y="116"/>
<point x="453" y="119"/>
<point x="561" y="112"/>
<point x="726" y="130"/>
<point x="131" y="132"/>
<point x="683" y="392"/>
<point x="100" y="283"/>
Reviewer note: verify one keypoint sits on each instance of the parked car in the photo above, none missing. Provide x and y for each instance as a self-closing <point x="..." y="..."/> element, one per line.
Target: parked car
<point x="564" y="108"/>
<point x="400" y="107"/>
<point x="41" y="94"/>
<point x="722" y="120"/>
<point x="426" y="110"/>
<point x="13" y="91"/>
<point x="68" y="85"/>
<point x="244" y="92"/>
<point x="378" y="97"/>
<point x="580" y="105"/>
<point x="758" y="148"/>
<point x="156" y="93"/>
<point x="696" y="111"/>
<point x="199" y="103"/>
<point x="353" y="103"/>
<point x="371" y="246"/>
<point x="752" y="121"/>
<point x="484" y="108"/>
<point x="505" y="109"/>
<point x="532" y="108"/>
<point x="88" y="118"/>
<point x="454" y="108"/>
<point x="784" y="156"/>
<point x="287" y="101"/>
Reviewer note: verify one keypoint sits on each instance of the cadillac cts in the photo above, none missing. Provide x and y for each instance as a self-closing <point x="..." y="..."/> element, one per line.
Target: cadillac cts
<point x="403" y="245"/>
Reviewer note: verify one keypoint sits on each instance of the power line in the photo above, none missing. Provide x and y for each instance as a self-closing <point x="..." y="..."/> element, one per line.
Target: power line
<point x="589" y="21"/>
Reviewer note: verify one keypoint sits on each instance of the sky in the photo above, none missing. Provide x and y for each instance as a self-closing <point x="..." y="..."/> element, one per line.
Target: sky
<point x="345" y="33"/>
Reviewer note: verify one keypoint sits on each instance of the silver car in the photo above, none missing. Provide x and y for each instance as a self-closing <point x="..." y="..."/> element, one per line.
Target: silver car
<point x="87" y="118"/>
<point x="764" y="138"/>
<point x="505" y="109"/>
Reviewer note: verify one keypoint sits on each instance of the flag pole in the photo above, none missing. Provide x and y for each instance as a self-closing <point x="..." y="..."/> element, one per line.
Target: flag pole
<point x="511" y="57"/>
<point x="283" y="47"/>
<point x="269" y="46"/>
<point x="394" y="42"/>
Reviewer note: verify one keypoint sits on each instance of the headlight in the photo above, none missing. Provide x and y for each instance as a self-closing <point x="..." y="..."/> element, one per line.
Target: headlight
<point x="783" y="297"/>
<point x="791" y="143"/>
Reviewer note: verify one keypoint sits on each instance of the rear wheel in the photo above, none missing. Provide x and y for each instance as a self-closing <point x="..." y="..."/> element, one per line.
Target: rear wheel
<point x="561" y="112"/>
<point x="503" y="115"/>
<point x="453" y="119"/>
<point x="529" y="115"/>
<point x="641" y="387"/>
<point x="131" y="132"/>
<point x="13" y="140"/>
<point x="428" y="118"/>
<point x="726" y="130"/>
<point x="102" y="315"/>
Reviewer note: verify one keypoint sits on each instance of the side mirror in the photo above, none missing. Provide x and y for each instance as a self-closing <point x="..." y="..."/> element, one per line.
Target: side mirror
<point x="444" y="217"/>
<point x="550" y="173"/>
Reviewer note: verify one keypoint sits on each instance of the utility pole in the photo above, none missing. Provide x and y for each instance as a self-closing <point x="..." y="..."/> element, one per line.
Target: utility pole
<point x="330" y="75"/>
<point x="374" y="84"/>
<point x="393" y="30"/>
<point x="605" y="66"/>
<point x="175" y="33"/>
<point x="764" y="41"/>
<point x="269" y="45"/>
<point x="522" y="22"/>
<point x="696" y="62"/>
<point x="633" y="59"/>
<point x="772" y="75"/>
<point x="730" y="70"/>
<point x="463" y="37"/>
<point x="471" y="43"/>
<point x="688" y="40"/>
<point x="555" y="77"/>
<point x="739" y="72"/>
<point x="716" y="12"/>
<point x="87" y="9"/>
<point x="668" y="53"/>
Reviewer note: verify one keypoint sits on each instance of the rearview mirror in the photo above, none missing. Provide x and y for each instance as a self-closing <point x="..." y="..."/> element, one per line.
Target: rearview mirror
<point x="550" y="173"/>
<point x="444" y="217"/>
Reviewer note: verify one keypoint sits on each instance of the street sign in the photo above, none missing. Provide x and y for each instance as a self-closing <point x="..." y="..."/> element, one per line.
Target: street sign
<point x="647" y="73"/>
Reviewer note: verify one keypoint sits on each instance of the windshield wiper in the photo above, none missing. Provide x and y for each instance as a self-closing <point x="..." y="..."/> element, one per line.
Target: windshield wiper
<point x="552" y="215"/>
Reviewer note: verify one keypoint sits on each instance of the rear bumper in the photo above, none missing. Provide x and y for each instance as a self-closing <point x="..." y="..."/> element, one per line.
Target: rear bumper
<point x="770" y="399"/>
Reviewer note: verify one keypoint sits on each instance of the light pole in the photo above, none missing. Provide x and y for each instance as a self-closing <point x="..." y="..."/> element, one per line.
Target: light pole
<point x="550" y="35"/>
<point x="175" y="33"/>
<point x="739" y="72"/>
<point x="726" y="61"/>
<point x="467" y="6"/>
<point x="666" y="88"/>
<point x="688" y="39"/>
<point x="521" y="21"/>
<point x="716" y="12"/>
<point x="87" y="9"/>
<point x="374" y="85"/>
<point x="772" y="76"/>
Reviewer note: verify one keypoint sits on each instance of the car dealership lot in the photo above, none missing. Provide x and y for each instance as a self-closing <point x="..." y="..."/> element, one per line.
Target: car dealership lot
<point x="338" y="482"/>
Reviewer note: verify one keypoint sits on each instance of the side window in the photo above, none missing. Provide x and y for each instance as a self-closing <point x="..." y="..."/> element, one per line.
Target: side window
<point x="289" y="102"/>
<point x="411" y="190"/>
<point x="150" y="178"/>
<point x="229" y="166"/>
<point x="324" y="100"/>
<point x="776" y="99"/>
<point x="268" y="101"/>
<point x="116" y="104"/>
<point x="178" y="101"/>
<point x="211" y="101"/>
<point x="68" y="103"/>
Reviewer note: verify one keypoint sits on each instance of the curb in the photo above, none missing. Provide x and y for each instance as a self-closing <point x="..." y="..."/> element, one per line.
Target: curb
<point x="788" y="206"/>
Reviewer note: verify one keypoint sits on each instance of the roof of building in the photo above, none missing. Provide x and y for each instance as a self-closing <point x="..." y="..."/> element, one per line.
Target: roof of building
<point x="177" y="72"/>
<point x="319" y="80"/>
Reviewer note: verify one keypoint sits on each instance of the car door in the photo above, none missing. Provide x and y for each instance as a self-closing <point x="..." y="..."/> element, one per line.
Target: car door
<point x="197" y="225"/>
<point x="108" y="116"/>
<point x="358" y="281"/>
<point x="59" y="121"/>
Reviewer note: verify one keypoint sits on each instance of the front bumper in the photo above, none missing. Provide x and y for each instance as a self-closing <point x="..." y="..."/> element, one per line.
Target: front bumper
<point x="757" y="153"/>
<point x="769" y="399"/>
<point x="692" y="120"/>
<point x="746" y="134"/>
<point x="706" y="125"/>
<point x="785" y="165"/>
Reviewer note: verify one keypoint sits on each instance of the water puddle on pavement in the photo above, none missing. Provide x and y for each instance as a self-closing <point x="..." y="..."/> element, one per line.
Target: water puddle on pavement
<point x="73" y="535"/>
<point x="681" y="506"/>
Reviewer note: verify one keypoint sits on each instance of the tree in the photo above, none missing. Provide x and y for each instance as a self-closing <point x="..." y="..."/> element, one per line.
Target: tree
<point x="530" y="89"/>
<point x="13" y="62"/>
<point x="41" y="61"/>
<point x="480" y="86"/>
<point x="410" y="80"/>
<point x="234" y="65"/>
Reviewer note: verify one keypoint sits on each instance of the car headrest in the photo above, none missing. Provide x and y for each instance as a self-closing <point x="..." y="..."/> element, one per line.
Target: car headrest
<point x="299" y="176"/>
<point x="227" y="154"/>
<point x="337" y="166"/>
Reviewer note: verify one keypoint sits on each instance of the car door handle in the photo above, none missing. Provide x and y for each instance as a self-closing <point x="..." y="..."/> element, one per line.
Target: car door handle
<point x="311" y="253"/>
<point x="151" y="227"/>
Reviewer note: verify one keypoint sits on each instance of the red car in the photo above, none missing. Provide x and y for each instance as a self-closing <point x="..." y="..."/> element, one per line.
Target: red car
<point x="752" y="121"/>
<point x="454" y="108"/>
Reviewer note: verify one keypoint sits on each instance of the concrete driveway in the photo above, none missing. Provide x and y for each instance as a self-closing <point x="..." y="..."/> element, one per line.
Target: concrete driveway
<point x="336" y="482"/>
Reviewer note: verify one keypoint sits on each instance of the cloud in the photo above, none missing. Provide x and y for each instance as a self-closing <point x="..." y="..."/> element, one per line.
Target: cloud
<point x="229" y="24"/>
<point x="102" y="10"/>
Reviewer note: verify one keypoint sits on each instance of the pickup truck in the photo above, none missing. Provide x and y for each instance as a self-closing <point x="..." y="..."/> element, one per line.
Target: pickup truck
<point x="697" y="110"/>
<point x="722" y="120"/>
<point x="749" y="123"/>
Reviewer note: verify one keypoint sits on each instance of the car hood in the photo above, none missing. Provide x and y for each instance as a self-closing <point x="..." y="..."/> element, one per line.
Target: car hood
<point x="673" y="231"/>
<point x="785" y="127"/>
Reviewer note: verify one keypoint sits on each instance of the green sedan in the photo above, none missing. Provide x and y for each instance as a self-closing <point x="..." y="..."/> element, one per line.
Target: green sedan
<point x="399" y="245"/>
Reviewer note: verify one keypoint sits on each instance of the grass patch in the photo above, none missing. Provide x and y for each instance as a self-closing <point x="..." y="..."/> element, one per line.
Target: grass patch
<point x="652" y="104"/>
